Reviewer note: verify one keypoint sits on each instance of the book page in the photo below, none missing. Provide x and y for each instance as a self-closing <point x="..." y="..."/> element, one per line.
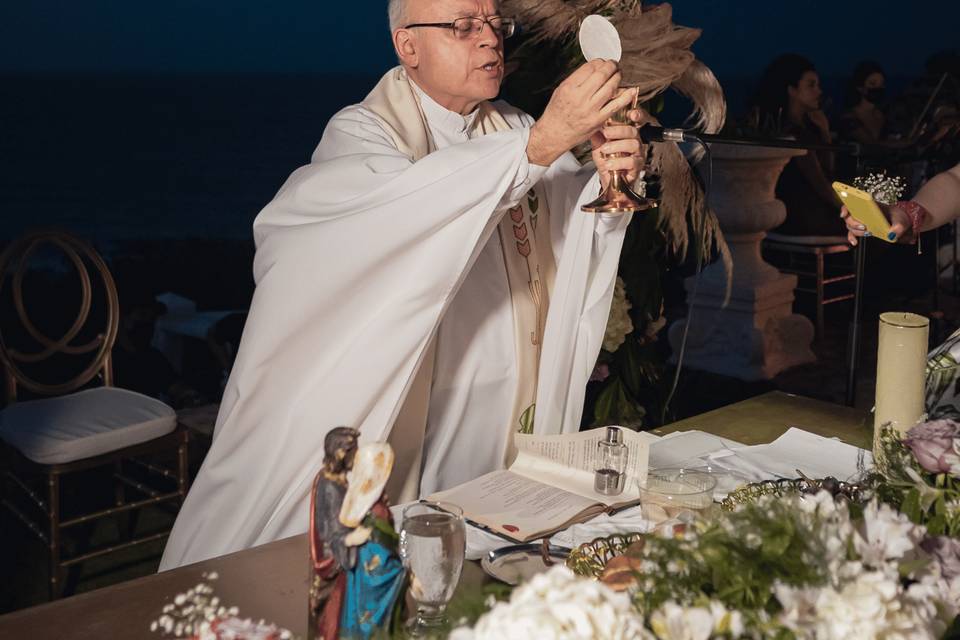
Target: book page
<point x="514" y="505"/>
<point x="568" y="461"/>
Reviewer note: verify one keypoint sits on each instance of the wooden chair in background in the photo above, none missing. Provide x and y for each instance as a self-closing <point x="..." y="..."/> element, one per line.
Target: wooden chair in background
<point x="807" y="258"/>
<point x="75" y="424"/>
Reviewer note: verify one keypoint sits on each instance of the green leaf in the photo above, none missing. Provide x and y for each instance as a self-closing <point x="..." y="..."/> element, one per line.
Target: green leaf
<point x="533" y="201"/>
<point x="632" y="368"/>
<point x="383" y="531"/>
<point x="527" y="418"/>
<point x="911" y="506"/>
<point x="606" y="402"/>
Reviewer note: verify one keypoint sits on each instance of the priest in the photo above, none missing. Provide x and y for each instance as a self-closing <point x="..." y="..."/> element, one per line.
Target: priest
<point x="428" y="279"/>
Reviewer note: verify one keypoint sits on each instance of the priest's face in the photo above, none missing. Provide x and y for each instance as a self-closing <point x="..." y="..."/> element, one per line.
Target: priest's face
<point x="457" y="70"/>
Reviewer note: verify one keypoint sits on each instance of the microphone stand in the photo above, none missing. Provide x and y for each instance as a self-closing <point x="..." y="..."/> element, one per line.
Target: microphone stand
<point x="853" y="148"/>
<point x="860" y="251"/>
<point x="853" y="337"/>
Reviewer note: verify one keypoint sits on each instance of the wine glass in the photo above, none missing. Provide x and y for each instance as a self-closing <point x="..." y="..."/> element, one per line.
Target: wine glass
<point x="619" y="196"/>
<point x="433" y="542"/>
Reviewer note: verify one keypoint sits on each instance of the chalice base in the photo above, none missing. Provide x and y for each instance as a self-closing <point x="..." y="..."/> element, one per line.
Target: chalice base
<point x="621" y="200"/>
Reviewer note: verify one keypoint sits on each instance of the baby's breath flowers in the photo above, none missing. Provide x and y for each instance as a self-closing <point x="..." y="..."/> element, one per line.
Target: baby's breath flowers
<point x="199" y="614"/>
<point x="884" y="189"/>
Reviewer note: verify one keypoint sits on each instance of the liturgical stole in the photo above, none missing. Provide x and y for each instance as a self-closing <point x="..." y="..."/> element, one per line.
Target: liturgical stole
<point x="525" y="240"/>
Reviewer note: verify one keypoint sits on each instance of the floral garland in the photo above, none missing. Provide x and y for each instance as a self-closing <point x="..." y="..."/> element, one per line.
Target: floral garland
<point x="806" y="568"/>
<point x="797" y="566"/>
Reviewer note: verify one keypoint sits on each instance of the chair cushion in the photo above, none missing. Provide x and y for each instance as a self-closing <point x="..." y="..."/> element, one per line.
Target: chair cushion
<point x="84" y="424"/>
<point x="806" y="240"/>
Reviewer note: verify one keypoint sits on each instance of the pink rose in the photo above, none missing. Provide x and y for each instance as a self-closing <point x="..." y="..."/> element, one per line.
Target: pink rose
<point x="932" y="444"/>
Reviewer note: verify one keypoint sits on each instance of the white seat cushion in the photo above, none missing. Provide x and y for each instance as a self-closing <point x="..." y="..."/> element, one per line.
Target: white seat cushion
<point x="806" y="240"/>
<point x="84" y="424"/>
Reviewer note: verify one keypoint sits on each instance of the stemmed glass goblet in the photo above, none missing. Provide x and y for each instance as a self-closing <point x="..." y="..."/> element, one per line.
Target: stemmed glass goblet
<point x="432" y="547"/>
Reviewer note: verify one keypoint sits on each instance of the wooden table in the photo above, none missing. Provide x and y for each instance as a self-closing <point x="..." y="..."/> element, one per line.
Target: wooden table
<point x="270" y="581"/>
<point x="766" y="417"/>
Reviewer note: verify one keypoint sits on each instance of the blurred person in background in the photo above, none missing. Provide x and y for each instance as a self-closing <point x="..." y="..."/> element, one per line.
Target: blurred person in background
<point x="788" y="96"/>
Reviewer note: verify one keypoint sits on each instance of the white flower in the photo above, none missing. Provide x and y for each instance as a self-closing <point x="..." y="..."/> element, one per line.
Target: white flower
<point x="886" y="535"/>
<point x="859" y="609"/>
<point x="799" y="605"/>
<point x="726" y="621"/>
<point x="870" y="604"/>
<point x="674" y="622"/>
<point x="821" y="503"/>
<point x="619" y="324"/>
<point x="829" y="521"/>
<point x="557" y="605"/>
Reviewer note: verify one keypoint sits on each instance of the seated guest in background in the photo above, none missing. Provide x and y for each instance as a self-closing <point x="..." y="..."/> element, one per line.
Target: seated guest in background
<point x="863" y="121"/>
<point x="789" y="95"/>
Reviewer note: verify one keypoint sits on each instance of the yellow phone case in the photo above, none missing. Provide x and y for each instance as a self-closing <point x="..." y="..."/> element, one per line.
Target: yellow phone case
<point x="863" y="207"/>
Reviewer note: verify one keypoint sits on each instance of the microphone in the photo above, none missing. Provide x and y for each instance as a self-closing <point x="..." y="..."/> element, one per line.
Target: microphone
<point x="652" y="133"/>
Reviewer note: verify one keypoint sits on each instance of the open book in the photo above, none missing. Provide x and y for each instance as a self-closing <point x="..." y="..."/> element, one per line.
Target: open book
<point x="549" y="486"/>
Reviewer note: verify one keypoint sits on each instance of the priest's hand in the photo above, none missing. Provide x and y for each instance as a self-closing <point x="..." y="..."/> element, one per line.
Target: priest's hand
<point x="578" y="108"/>
<point x="618" y="147"/>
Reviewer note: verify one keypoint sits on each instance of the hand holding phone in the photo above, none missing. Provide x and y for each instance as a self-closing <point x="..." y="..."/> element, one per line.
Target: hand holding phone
<point x="864" y="208"/>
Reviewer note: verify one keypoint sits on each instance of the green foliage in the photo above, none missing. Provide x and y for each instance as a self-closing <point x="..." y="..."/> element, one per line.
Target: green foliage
<point x="634" y="390"/>
<point x="735" y="559"/>
<point x="926" y="498"/>
<point x="464" y="609"/>
<point x="382" y="531"/>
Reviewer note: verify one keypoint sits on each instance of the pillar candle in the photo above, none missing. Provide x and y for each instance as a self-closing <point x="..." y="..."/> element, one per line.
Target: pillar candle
<point x="901" y="360"/>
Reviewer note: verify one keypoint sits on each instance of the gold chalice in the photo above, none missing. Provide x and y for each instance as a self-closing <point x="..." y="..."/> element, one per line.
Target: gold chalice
<point x="619" y="196"/>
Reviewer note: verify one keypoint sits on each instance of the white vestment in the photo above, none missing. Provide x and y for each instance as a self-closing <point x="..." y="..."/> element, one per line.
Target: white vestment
<point x="368" y="264"/>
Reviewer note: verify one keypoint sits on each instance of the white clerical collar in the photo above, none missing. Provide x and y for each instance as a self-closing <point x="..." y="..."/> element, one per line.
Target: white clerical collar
<point x="442" y="118"/>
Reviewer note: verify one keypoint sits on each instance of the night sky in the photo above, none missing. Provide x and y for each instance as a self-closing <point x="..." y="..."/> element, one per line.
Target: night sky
<point x="740" y="36"/>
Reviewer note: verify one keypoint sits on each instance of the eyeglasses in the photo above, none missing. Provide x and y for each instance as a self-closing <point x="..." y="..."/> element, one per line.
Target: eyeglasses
<point x="469" y="28"/>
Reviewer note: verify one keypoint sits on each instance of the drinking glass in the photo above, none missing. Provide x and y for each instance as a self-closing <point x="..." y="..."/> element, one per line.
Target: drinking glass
<point x="619" y="196"/>
<point x="433" y="541"/>
<point x="669" y="493"/>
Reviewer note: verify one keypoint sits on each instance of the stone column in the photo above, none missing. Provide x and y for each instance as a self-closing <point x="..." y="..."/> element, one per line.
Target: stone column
<point x="755" y="334"/>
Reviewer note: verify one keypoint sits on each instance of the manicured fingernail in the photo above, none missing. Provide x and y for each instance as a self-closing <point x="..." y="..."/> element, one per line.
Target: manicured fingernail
<point x="892" y="235"/>
<point x="867" y="234"/>
<point x="861" y="227"/>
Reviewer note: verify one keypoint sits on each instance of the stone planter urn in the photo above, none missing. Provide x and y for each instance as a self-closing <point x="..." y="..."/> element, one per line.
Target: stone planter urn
<point x="755" y="334"/>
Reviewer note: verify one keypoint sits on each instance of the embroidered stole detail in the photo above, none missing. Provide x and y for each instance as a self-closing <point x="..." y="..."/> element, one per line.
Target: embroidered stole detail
<point x="524" y="234"/>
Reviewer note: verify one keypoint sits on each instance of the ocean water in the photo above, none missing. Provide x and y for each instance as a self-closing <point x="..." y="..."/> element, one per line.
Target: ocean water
<point x="116" y="157"/>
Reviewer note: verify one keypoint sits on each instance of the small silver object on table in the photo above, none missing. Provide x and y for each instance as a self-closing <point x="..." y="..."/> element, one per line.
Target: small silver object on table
<point x="610" y="476"/>
<point x="520" y="562"/>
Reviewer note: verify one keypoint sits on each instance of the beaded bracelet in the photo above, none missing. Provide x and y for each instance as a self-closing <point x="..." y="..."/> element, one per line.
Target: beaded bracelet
<point x="918" y="215"/>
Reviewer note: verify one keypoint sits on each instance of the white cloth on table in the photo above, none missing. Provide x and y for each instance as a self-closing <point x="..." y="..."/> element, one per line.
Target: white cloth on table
<point x="795" y="452"/>
<point x="480" y="542"/>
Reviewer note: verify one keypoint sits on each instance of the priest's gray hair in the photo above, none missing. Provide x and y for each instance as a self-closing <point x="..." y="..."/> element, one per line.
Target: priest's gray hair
<point x="397" y="11"/>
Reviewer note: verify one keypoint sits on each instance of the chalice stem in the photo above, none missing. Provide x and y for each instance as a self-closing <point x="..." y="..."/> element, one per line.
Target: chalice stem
<point x="618" y="196"/>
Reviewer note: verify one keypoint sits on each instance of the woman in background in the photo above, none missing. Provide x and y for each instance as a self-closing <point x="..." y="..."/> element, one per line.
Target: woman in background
<point x="864" y="121"/>
<point x="788" y="98"/>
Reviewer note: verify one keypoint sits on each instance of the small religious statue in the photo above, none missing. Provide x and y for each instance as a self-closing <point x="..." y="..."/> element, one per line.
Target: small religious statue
<point x="356" y="574"/>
